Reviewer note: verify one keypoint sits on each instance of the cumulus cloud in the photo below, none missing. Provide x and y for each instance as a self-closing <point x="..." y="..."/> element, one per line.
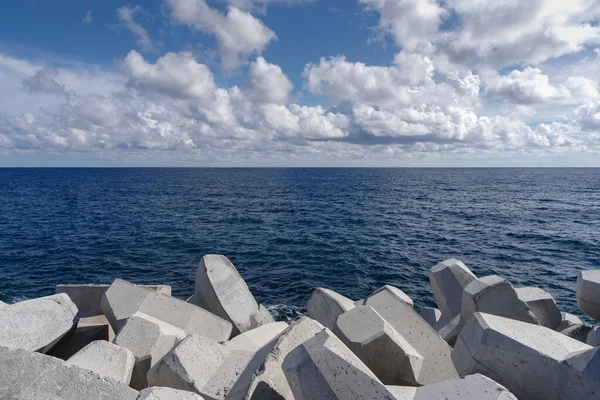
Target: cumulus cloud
<point x="260" y="6"/>
<point x="267" y="83"/>
<point x="238" y="33"/>
<point x="126" y="16"/>
<point x="43" y="82"/>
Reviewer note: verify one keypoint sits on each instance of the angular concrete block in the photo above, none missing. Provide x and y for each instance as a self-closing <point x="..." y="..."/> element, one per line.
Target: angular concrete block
<point x="324" y="368"/>
<point x="523" y="357"/>
<point x="472" y="387"/>
<point x="221" y="290"/>
<point x="431" y="316"/>
<point x="578" y="332"/>
<point x="542" y="305"/>
<point x="567" y="320"/>
<point x="326" y="306"/>
<point x="494" y="295"/>
<point x="437" y="365"/>
<point x="37" y="324"/>
<point x="448" y="280"/>
<point x="123" y="299"/>
<point x="383" y="350"/>
<point x="269" y="381"/>
<point x="149" y="339"/>
<point x="106" y="359"/>
<point x="593" y="337"/>
<point x="450" y="330"/>
<point x="588" y="293"/>
<point x="165" y="393"/>
<point x="34" y="376"/>
<point x="87" y="297"/>
<point x="265" y="314"/>
<point x="3" y="305"/>
<point x="579" y="376"/>
<point x="88" y="330"/>
<point x="385" y="292"/>
<point x="255" y="339"/>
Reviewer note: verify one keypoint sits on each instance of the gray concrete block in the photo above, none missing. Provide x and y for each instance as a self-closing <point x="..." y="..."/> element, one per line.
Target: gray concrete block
<point x="448" y="280"/>
<point x="494" y="295"/>
<point x="472" y="387"/>
<point x="265" y="314"/>
<point x="542" y="305"/>
<point x="88" y="330"/>
<point x="37" y="324"/>
<point x="149" y="339"/>
<point x="325" y="306"/>
<point x="87" y="296"/>
<point x="579" y="376"/>
<point x="123" y="299"/>
<point x="578" y="332"/>
<point x="3" y="305"/>
<point x="593" y="337"/>
<point x="221" y="290"/>
<point x="324" y="368"/>
<point x="165" y="393"/>
<point x="269" y="381"/>
<point x="523" y="357"/>
<point x="567" y="320"/>
<point x="431" y="316"/>
<point x="588" y="293"/>
<point x="400" y="315"/>
<point x="106" y="359"/>
<point x="383" y="350"/>
<point x="34" y="376"/>
<point x="386" y="291"/>
<point x="255" y="339"/>
<point x="450" y="330"/>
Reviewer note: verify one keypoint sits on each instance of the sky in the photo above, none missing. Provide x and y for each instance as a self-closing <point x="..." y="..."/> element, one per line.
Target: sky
<point x="300" y="83"/>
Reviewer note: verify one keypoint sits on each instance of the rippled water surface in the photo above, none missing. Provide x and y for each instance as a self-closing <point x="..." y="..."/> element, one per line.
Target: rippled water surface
<point x="290" y="230"/>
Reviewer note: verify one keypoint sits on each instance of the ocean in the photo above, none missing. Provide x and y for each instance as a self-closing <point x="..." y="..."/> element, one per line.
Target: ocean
<point x="291" y="230"/>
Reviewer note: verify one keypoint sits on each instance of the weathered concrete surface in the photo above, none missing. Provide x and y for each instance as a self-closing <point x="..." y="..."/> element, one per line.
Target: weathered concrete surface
<point x="324" y="368"/>
<point x="542" y="305"/>
<point x="124" y="299"/>
<point x="494" y="295"/>
<point x="106" y="359"/>
<point x="567" y="320"/>
<point x="221" y="290"/>
<point x="88" y="330"/>
<point x="448" y="280"/>
<point x="472" y="387"/>
<point x="3" y="305"/>
<point x="523" y="357"/>
<point x="588" y="293"/>
<point x="422" y="337"/>
<point x="326" y="306"/>
<point x="38" y="324"/>
<point x="578" y="332"/>
<point x="450" y="331"/>
<point x="165" y="393"/>
<point x="87" y="297"/>
<point x="34" y="376"/>
<point x="266" y="315"/>
<point x="593" y="337"/>
<point x="149" y="339"/>
<point x="255" y="339"/>
<point x="386" y="292"/>
<point x="431" y="316"/>
<point x="269" y="381"/>
<point x="579" y="376"/>
<point x="383" y="350"/>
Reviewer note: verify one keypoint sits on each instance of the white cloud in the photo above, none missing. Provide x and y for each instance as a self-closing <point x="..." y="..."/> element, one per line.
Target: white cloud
<point x="43" y="82"/>
<point x="126" y="15"/>
<point x="238" y="33"/>
<point x="267" y="83"/>
<point x="260" y="6"/>
<point x="88" y="17"/>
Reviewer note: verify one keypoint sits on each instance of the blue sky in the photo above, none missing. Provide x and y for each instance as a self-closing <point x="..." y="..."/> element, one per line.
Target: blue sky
<point x="299" y="82"/>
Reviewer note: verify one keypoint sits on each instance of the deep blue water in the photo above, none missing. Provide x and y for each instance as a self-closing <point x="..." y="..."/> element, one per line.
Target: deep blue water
<point x="290" y="230"/>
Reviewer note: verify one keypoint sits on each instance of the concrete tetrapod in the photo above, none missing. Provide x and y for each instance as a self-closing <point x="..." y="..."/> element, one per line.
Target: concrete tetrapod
<point x="221" y="290"/>
<point x="87" y="297"/>
<point x="523" y="357"/>
<point x="472" y="387"/>
<point x="3" y="305"/>
<point x="542" y="305"/>
<point x="579" y="375"/>
<point x="165" y="393"/>
<point x="123" y="299"/>
<point x="437" y="365"/>
<point x="593" y="337"/>
<point x="431" y="316"/>
<point x="106" y="359"/>
<point x="383" y="350"/>
<point x="324" y="368"/>
<point x="588" y="293"/>
<point x="578" y="332"/>
<point x="494" y="295"/>
<point x="269" y="381"/>
<point x="450" y="331"/>
<point x="37" y="324"/>
<point x="448" y="280"/>
<point x="149" y="339"/>
<point x="567" y="320"/>
<point x="326" y="306"/>
<point x="34" y="376"/>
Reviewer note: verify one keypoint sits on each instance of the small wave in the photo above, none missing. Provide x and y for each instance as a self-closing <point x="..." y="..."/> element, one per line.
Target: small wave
<point x="285" y="312"/>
